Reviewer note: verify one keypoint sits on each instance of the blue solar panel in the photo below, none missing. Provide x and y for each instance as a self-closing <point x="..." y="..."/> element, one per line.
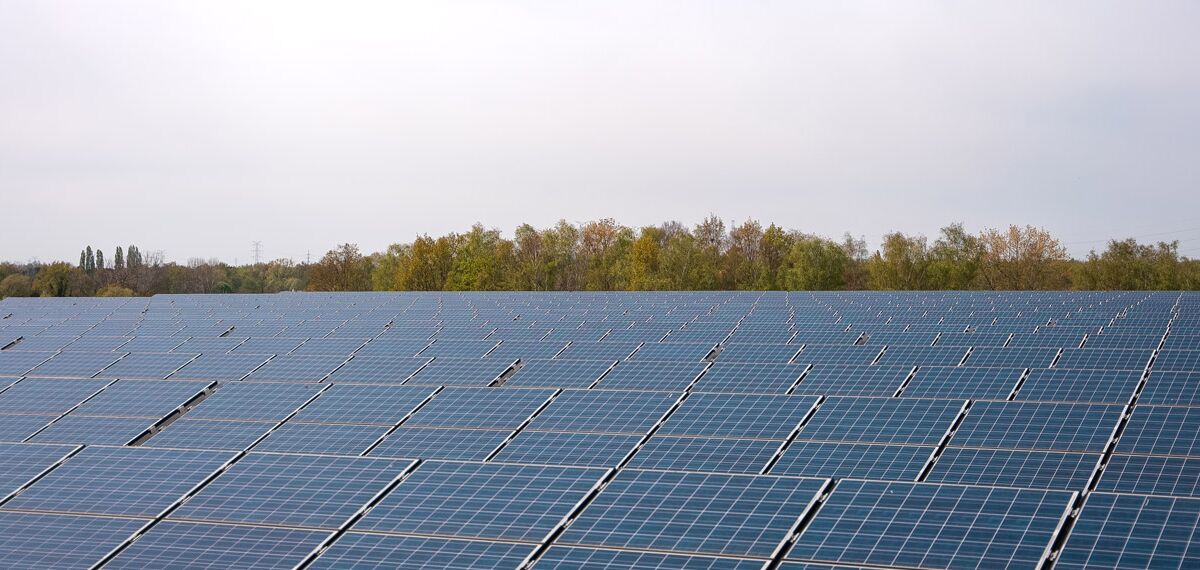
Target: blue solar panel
<point x="441" y="443"/>
<point x="120" y="481"/>
<point x="559" y="448"/>
<point x="360" y="404"/>
<point x="1131" y="531"/>
<point x="607" y="350"/>
<point x="221" y="367"/>
<point x="719" y="455"/>
<point x="836" y="354"/>
<point x="738" y="415"/>
<point x="737" y="515"/>
<point x="922" y="355"/>
<point x="604" y="411"/>
<point x="24" y="461"/>
<point x="75" y="364"/>
<point x="963" y="382"/>
<point x="748" y="377"/>
<point x="761" y="353"/>
<point x="267" y="346"/>
<point x="141" y="398"/>
<point x="1011" y="357"/>
<point x="18" y="427"/>
<point x="189" y="545"/>
<point x="1011" y="468"/>
<point x="146" y="366"/>
<point x="359" y="550"/>
<point x="254" y="401"/>
<point x="1180" y="360"/>
<point x="511" y="350"/>
<point x="577" y="557"/>
<point x="1103" y="359"/>
<point x="559" y="373"/>
<point x="460" y="372"/>
<point x="329" y="346"/>
<point x="1054" y="385"/>
<point x="210" y="434"/>
<point x="882" y="420"/>
<point x="16" y="363"/>
<point x="841" y="460"/>
<point x="923" y="525"/>
<point x="398" y="348"/>
<point x="296" y="368"/>
<point x="1038" y="426"/>
<point x="1151" y="475"/>
<point x="480" y="408"/>
<point x="94" y="430"/>
<point x="836" y="379"/>
<point x="664" y="376"/>
<point x="473" y="500"/>
<point x="458" y="348"/>
<point x="38" y="540"/>
<point x="331" y="439"/>
<point x="378" y="369"/>
<point x="1171" y="388"/>
<point x="674" y="351"/>
<point x="45" y="396"/>
<point x="292" y="490"/>
<point x="1156" y="430"/>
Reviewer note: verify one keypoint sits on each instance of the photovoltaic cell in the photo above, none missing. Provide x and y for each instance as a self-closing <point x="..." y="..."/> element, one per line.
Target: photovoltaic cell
<point x="292" y="490"/>
<point x="254" y="401"/>
<point x="1104" y="359"/>
<point x="24" y="461"/>
<point x="37" y="540"/>
<point x="1011" y="357"/>
<point x="479" y="408"/>
<point x="172" y="544"/>
<point x="473" y="500"/>
<point x="933" y="526"/>
<point x="362" y="404"/>
<point x="209" y="434"/>
<point x="836" y="354"/>
<point x="459" y="372"/>
<point x="759" y="353"/>
<point x="608" y="350"/>
<point x="719" y="455"/>
<point x="922" y="355"/>
<point x="738" y="416"/>
<point x="664" y="376"/>
<point x="296" y="368"/>
<point x="749" y="377"/>
<point x="359" y="550"/>
<point x="152" y="399"/>
<point x="1171" y="388"/>
<point x="835" y="379"/>
<point x="94" y="430"/>
<point x="222" y="367"/>
<point x="1010" y="468"/>
<point x="1157" y="430"/>
<point x="378" y="369"/>
<point x="578" y="449"/>
<point x="441" y="443"/>
<point x="331" y="439"/>
<point x="1038" y="426"/>
<point x="963" y="382"/>
<point x="75" y="364"/>
<point x="17" y="427"/>
<point x="559" y="373"/>
<point x="738" y="515"/>
<point x="45" y="396"/>
<point x="603" y="411"/>
<point x="882" y="420"/>
<point x="1055" y="385"/>
<point x="576" y="557"/>
<point x="843" y="460"/>
<point x="1151" y="475"/>
<point x="1132" y="531"/>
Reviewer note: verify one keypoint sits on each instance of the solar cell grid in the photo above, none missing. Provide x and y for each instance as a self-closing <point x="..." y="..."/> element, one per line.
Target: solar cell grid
<point x="843" y="355"/>
<point x="480" y="408"/>
<point x="1010" y="468"/>
<point x="738" y="416"/>
<point x="882" y="420"/>
<point x="296" y="368"/>
<point x="24" y="461"/>
<point x="75" y="364"/>
<point x="1010" y="357"/>
<point x="441" y="443"/>
<point x="1151" y="475"/>
<point x="749" y="377"/>
<point x="1156" y="430"/>
<point x="151" y="399"/>
<point x="191" y="545"/>
<point x="720" y="455"/>
<point x="254" y="401"/>
<point x="39" y="540"/>
<point x="330" y="439"/>
<point x="1055" y="385"/>
<point x="607" y="350"/>
<point x="354" y="550"/>
<point x="1038" y="426"/>
<point x="47" y="396"/>
<point x="842" y="460"/>
<point x="559" y="373"/>
<point x="604" y="411"/>
<point x="1131" y="531"/>
<point x="378" y="370"/>
<point x="667" y="376"/>
<point x="188" y="433"/>
<point x="460" y="372"/>
<point x="840" y="380"/>
<point x="561" y="448"/>
<point x="574" y="557"/>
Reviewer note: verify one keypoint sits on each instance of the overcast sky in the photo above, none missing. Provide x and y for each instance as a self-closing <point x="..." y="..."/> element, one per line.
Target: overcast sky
<point x="198" y="127"/>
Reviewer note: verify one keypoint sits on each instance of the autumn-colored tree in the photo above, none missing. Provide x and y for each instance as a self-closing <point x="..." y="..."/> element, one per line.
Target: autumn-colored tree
<point x="16" y="285"/>
<point x="114" y="290"/>
<point x="1023" y="259"/>
<point x="341" y="269"/>
<point x="54" y="280"/>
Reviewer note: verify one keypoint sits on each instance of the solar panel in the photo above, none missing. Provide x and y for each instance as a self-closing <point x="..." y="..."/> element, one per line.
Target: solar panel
<point x="719" y="455"/>
<point x="922" y="355"/>
<point x="296" y="368"/>
<point x="1054" y="385"/>
<point x="331" y="439"/>
<point x="220" y="367"/>
<point x="738" y="416"/>
<point x="760" y="353"/>
<point x="120" y="481"/>
<point x="1179" y="360"/>
<point x="16" y="363"/>
<point x="254" y="401"/>
<point x="178" y="545"/>
<point x="329" y="346"/>
<point x="458" y="348"/>
<point x="292" y="490"/>
<point x="658" y="375"/>
<point x="1156" y="430"/>
<point x="1038" y="426"/>
<point x="751" y="377"/>
<point x="963" y="382"/>
<point x="441" y="443"/>
<point x="558" y="373"/>
<point x="603" y="411"/>
<point x="39" y="540"/>
<point x="736" y="515"/>
<point x="397" y="348"/>
<point x="574" y="557"/>
<point x="152" y="399"/>
<point x="836" y="354"/>
<point x="933" y="526"/>
<point x="24" y="461"/>
<point x="882" y="420"/>
<point x="608" y="350"/>
<point x="94" y="430"/>
<point x="559" y="448"/>
<point x="842" y="460"/>
<point x="511" y="350"/>
<point x="18" y="427"/>
<point x="209" y="345"/>
<point x="836" y="379"/>
<point x="45" y="396"/>
<point x="359" y="550"/>
<point x="1104" y="359"/>
<point x="1151" y="475"/>
<point x="673" y="351"/>
<point x="152" y="344"/>
<point x="460" y="372"/>
<point x="1011" y="357"/>
<point x="1171" y="388"/>
<point x="519" y="503"/>
<point x="189" y="433"/>
<point x="75" y="364"/>
<point x="360" y="404"/>
<point x="1132" y="531"/>
<point x="1124" y="341"/>
<point x="267" y="346"/>
<point x="1011" y="468"/>
<point x="480" y="408"/>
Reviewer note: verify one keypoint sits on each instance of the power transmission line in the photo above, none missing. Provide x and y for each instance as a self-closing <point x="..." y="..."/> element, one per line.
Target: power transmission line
<point x="257" y="251"/>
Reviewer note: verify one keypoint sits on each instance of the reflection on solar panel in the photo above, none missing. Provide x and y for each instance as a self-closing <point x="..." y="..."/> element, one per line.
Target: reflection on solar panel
<point x="737" y="515"/>
<point x="841" y="460"/>
<point x="355" y="550"/>
<point x="559" y="448"/>
<point x="1035" y="425"/>
<point x="1131" y="531"/>
<point x="1009" y="468"/>
<point x="574" y="557"/>
<point x="441" y="443"/>
<point x="977" y="383"/>
<point x="749" y="377"/>
<point x="178" y="545"/>
<point x="933" y="526"/>
<point x="35" y="540"/>
<point x="836" y="379"/>
<point x="122" y="481"/>
<point x="738" y="416"/>
<point x="558" y="373"/>
<point x="292" y="490"/>
<point x="658" y="375"/>
<point x="882" y="420"/>
<point x="604" y="411"/>
<point x="1149" y="475"/>
<point x="471" y="500"/>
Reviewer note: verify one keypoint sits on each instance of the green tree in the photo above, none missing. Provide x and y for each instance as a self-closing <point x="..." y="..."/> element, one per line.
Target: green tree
<point x="1128" y="265"/>
<point x="816" y="264"/>
<point x="16" y="285"/>
<point x="114" y="290"/>
<point x="118" y="259"/>
<point x="955" y="259"/>
<point x="901" y="263"/>
<point x="99" y="259"/>
<point x="89" y="260"/>
<point x="54" y="280"/>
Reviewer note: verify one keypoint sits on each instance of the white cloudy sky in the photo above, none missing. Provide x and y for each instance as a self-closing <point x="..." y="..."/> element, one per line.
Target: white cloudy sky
<point x="198" y="127"/>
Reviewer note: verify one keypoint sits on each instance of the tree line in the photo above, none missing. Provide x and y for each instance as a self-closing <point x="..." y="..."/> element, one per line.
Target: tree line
<point x="603" y="255"/>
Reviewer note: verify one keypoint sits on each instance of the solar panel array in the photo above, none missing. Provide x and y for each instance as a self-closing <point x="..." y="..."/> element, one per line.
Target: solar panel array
<point x="814" y="431"/>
